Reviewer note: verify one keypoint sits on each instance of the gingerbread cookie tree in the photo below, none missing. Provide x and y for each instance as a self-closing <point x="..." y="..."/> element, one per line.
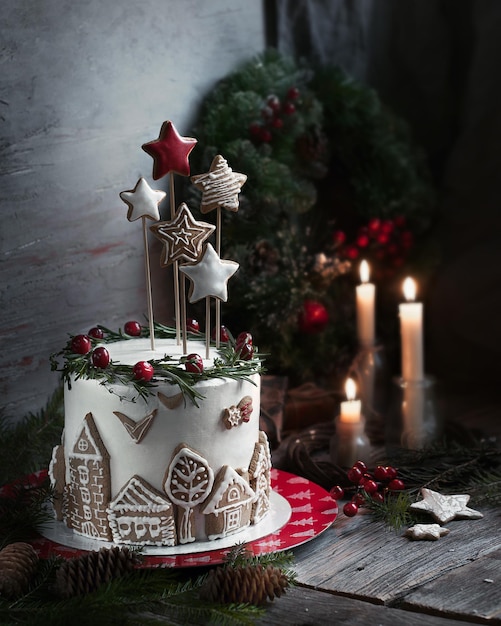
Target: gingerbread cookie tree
<point x="188" y="482"/>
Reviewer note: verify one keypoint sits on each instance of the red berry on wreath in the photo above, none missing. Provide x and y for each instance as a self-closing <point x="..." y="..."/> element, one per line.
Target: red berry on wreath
<point x="381" y="473"/>
<point x="100" y="357"/>
<point x="355" y="475"/>
<point x="293" y="93"/>
<point x="96" y="333"/>
<point x="194" y="364"/>
<point x="352" y="252"/>
<point x="245" y="351"/>
<point x="336" y="492"/>
<point x="362" y="241"/>
<point x="313" y="318"/>
<point x="350" y="509"/>
<point x="81" y="344"/>
<point x="265" y="135"/>
<point x="374" y="225"/>
<point x="132" y="328"/>
<point x="387" y="226"/>
<point x="223" y="334"/>
<point x="288" y="108"/>
<point x="143" y="370"/>
<point x="396" y="485"/>
<point x="274" y="103"/>
<point x="338" y="237"/>
<point x="192" y="325"/>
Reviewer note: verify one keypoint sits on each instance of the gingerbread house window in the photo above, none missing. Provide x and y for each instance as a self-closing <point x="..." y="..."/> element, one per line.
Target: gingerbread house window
<point x="83" y="474"/>
<point x="87" y="512"/>
<point x="233" y="519"/>
<point x="233" y="494"/>
<point x="83" y="445"/>
<point x="85" y="493"/>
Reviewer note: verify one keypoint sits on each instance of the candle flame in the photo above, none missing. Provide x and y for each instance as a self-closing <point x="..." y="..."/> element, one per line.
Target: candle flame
<point x="351" y="389"/>
<point x="364" y="271"/>
<point x="409" y="289"/>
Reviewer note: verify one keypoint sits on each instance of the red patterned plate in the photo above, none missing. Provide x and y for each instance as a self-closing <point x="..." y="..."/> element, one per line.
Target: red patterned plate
<point x="301" y="510"/>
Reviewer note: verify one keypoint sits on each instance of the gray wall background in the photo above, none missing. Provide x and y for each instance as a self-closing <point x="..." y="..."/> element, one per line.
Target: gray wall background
<point x="83" y="86"/>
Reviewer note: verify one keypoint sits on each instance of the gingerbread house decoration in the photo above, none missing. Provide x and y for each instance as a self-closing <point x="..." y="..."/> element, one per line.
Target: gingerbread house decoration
<point x="57" y="476"/>
<point x="88" y="491"/>
<point x="141" y="514"/>
<point x="259" y="478"/>
<point x="229" y="505"/>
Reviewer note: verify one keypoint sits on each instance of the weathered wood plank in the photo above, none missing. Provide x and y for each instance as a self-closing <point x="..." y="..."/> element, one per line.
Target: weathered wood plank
<point x="302" y="606"/>
<point x="472" y="590"/>
<point x="361" y="558"/>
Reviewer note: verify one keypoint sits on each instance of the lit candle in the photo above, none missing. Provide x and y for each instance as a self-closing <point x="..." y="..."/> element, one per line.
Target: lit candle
<point x="411" y="332"/>
<point x="366" y="293"/>
<point x="351" y="409"/>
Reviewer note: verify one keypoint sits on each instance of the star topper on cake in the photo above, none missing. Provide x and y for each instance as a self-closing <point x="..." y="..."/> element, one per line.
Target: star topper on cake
<point x="170" y="152"/>
<point x="220" y="186"/>
<point x="209" y="277"/>
<point x="143" y="201"/>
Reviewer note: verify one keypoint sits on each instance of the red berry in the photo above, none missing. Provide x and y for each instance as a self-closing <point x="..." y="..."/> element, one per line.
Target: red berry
<point x="383" y="238"/>
<point x="194" y="364"/>
<point x="313" y="318"/>
<point x="96" y="333"/>
<point x="100" y="357"/>
<point x="378" y="497"/>
<point x="355" y="475"/>
<point x="387" y="226"/>
<point x="350" y="509"/>
<point x="362" y="241"/>
<point x="381" y="473"/>
<point x="277" y="122"/>
<point x="369" y="486"/>
<point x="81" y="344"/>
<point x="245" y="352"/>
<point x="338" y="237"/>
<point x="265" y="135"/>
<point x="192" y="325"/>
<point x="391" y="472"/>
<point x="358" y="498"/>
<point x="352" y="252"/>
<point x="223" y="334"/>
<point x="132" y="328"/>
<point x="396" y="485"/>
<point x="374" y="225"/>
<point x="255" y="130"/>
<point x="143" y="370"/>
<point x="288" y="108"/>
<point x="337" y="492"/>
<point x="273" y="102"/>
<point x="293" y="93"/>
<point x="361" y="465"/>
<point x="244" y="337"/>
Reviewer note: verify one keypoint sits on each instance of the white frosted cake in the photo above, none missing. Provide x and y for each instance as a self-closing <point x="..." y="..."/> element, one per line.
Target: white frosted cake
<point x="155" y="462"/>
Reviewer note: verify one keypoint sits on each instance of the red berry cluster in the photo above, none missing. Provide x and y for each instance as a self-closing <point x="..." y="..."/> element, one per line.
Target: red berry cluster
<point x="376" y="486"/>
<point x="273" y="115"/>
<point x="244" y="346"/>
<point x="100" y="357"/>
<point x="386" y="240"/>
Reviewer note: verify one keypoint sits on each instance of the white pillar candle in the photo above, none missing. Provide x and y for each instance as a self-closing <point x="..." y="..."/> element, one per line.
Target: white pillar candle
<point x="411" y="332"/>
<point x="351" y="409"/>
<point x="366" y="295"/>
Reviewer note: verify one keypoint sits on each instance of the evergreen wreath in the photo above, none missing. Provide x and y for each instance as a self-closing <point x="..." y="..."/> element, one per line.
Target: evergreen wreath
<point x="331" y="175"/>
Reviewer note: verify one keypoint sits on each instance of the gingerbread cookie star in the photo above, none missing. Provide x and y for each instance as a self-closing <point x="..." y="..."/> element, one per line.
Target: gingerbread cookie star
<point x="170" y="152"/>
<point x="142" y="201"/>
<point x="209" y="277"/>
<point x="220" y="186"/>
<point x="183" y="236"/>
<point x="426" y="532"/>
<point x="445" y="508"/>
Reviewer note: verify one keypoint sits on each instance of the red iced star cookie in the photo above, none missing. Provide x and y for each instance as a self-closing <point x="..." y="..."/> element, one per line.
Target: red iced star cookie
<point x="170" y="152"/>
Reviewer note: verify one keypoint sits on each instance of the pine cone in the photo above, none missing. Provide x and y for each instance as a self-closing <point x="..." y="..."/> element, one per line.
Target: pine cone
<point x="18" y="562"/>
<point x="84" y="574"/>
<point x="252" y="584"/>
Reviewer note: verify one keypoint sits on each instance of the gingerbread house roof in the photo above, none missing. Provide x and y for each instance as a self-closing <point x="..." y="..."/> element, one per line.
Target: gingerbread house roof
<point x="139" y="496"/>
<point x="89" y="444"/>
<point x="226" y="478"/>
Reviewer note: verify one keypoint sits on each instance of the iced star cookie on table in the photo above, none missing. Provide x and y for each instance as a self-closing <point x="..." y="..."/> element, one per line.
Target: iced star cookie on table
<point x="143" y="201"/>
<point x="183" y="236"/>
<point x="170" y="152"/>
<point x="209" y="277"/>
<point x="220" y="186"/>
<point x="445" y="508"/>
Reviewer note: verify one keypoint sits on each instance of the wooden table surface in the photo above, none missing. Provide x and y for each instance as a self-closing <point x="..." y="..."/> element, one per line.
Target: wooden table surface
<point x="360" y="572"/>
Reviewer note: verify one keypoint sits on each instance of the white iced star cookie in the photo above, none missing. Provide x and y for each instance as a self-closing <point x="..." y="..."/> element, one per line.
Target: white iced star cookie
<point x="209" y="277"/>
<point x="445" y="508"/>
<point x="429" y="532"/>
<point x="142" y="201"/>
<point x="220" y="186"/>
